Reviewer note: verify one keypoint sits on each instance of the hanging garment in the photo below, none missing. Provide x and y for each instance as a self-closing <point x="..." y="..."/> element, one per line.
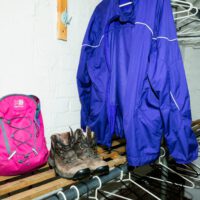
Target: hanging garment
<point x="131" y="81"/>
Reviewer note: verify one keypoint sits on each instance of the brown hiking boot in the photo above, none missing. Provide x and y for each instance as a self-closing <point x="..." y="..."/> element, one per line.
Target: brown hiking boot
<point x="64" y="159"/>
<point x="86" y="149"/>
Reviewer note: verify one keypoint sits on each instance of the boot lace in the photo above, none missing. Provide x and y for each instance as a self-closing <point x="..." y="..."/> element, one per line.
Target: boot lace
<point x="90" y="149"/>
<point x="64" y="152"/>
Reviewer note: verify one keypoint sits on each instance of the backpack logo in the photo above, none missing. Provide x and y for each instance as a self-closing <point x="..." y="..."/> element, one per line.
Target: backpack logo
<point x="19" y="103"/>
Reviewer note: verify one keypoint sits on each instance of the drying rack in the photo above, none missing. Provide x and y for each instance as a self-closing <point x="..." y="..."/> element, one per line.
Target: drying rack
<point x="44" y="182"/>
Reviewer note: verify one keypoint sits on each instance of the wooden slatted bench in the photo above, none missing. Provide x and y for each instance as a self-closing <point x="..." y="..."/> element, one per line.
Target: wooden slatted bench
<point x="44" y="180"/>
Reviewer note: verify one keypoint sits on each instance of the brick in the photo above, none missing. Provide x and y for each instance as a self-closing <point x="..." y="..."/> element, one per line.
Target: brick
<point x="74" y="105"/>
<point x="62" y="105"/>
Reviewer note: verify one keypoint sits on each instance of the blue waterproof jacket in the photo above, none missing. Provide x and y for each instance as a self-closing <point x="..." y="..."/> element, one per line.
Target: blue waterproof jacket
<point x="131" y="81"/>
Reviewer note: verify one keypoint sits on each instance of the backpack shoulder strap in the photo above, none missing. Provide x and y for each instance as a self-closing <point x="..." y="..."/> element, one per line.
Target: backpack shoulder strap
<point x="37" y="100"/>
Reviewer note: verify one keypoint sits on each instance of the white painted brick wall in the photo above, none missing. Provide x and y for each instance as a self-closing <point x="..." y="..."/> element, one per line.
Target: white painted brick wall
<point x="33" y="61"/>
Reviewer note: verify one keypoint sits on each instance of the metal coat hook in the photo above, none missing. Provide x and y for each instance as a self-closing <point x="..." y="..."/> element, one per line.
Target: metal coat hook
<point x="66" y="20"/>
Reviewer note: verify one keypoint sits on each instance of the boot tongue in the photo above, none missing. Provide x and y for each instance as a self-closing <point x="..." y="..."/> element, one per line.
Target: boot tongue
<point x="78" y="135"/>
<point x="89" y="134"/>
<point x="90" y="137"/>
<point x="64" y="138"/>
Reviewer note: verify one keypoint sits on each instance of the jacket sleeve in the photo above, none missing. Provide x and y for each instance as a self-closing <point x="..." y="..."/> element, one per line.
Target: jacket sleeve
<point x="83" y="78"/>
<point x="167" y="76"/>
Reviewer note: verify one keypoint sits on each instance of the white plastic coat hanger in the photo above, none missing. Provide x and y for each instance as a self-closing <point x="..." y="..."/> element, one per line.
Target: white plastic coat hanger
<point x="77" y="192"/>
<point x="189" y="15"/>
<point x="182" y="5"/>
<point x="188" y="32"/>
<point x="62" y="194"/>
<point x="116" y="195"/>
<point x="190" y="29"/>
<point x="106" y="192"/>
<point x="193" y="40"/>
<point x="198" y="167"/>
<point x="97" y="189"/>
<point x="192" y="165"/>
<point x="194" y="178"/>
<point x="138" y="185"/>
<point x="171" y="170"/>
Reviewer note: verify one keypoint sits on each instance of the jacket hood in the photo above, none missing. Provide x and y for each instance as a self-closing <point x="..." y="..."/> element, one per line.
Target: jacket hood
<point x="123" y="14"/>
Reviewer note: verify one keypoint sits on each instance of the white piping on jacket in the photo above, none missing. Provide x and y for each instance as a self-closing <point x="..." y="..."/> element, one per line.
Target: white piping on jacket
<point x="95" y="46"/>
<point x="174" y="101"/>
<point x="125" y="4"/>
<point x="139" y="23"/>
<point x="162" y="37"/>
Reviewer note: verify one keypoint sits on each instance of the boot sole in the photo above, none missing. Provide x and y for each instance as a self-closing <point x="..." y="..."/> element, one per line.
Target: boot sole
<point x="81" y="174"/>
<point x="100" y="171"/>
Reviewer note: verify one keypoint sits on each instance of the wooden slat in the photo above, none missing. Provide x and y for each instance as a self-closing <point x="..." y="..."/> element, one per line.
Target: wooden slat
<point x="100" y="150"/>
<point x="114" y="153"/>
<point x="118" y="161"/>
<point x="114" y="144"/>
<point x="54" y="185"/>
<point x="41" y="190"/>
<point x="21" y="183"/>
<point x="117" y="142"/>
<point x="4" y="178"/>
<point x="25" y="182"/>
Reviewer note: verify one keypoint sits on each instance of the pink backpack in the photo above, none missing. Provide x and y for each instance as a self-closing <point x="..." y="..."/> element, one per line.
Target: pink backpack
<point x="22" y="143"/>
